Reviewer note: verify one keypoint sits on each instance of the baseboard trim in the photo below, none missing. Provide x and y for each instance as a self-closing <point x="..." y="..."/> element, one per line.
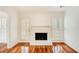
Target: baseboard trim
<point x="66" y="45"/>
<point x="58" y="42"/>
<point x="70" y="47"/>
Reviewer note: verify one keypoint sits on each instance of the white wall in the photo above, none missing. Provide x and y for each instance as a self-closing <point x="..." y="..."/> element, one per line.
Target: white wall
<point x="11" y="25"/>
<point x="13" y="28"/>
<point x="41" y="22"/>
<point x="32" y="23"/>
<point x="71" y="27"/>
<point x="35" y="22"/>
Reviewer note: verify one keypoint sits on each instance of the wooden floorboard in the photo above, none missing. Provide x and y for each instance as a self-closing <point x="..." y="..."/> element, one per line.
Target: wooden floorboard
<point x="63" y="47"/>
<point x="41" y="49"/>
<point x="56" y="47"/>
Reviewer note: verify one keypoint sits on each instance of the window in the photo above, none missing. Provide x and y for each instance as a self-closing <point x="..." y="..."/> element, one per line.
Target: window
<point x="3" y="24"/>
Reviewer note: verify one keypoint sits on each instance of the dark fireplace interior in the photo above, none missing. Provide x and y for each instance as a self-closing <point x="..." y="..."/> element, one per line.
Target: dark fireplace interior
<point x="40" y="36"/>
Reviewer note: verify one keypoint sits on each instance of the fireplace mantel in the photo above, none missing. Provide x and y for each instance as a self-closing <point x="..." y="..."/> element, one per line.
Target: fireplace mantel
<point x="41" y="26"/>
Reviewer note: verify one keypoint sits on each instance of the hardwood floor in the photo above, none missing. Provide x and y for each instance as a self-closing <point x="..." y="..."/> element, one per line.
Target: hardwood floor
<point x="17" y="47"/>
<point x="3" y="47"/>
<point x="61" y="47"/>
<point x="56" y="47"/>
<point x="41" y="49"/>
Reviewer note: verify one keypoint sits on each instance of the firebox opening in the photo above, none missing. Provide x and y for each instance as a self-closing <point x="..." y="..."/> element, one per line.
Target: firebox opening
<point x="40" y="36"/>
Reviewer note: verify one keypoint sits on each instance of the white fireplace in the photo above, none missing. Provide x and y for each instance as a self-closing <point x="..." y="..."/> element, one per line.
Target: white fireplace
<point x="41" y="29"/>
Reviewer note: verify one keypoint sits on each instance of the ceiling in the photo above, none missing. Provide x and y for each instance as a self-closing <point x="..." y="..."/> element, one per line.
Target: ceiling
<point x="23" y="9"/>
<point x="39" y="8"/>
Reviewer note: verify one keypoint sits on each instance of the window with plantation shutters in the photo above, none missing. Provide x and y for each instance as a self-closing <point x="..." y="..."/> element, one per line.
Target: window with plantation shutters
<point x="3" y="28"/>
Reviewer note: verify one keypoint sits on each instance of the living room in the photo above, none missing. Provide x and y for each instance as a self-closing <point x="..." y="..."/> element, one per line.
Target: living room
<point x="40" y="28"/>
